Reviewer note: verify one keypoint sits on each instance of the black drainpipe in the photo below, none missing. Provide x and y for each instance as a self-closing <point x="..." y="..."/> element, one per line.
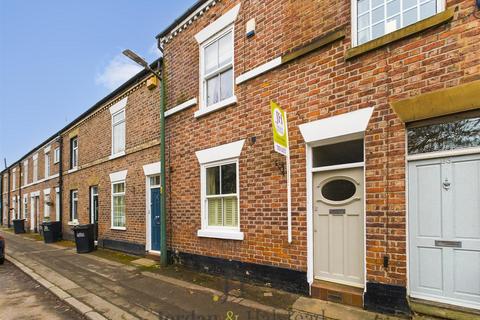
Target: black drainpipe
<point x="60" y="180"/>
<point x="8" y="200"/>
<point x="19" y="198"/>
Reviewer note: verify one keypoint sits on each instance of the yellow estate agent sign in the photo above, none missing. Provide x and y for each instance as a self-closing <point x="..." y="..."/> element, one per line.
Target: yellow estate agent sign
<point x="280" y="143"/>
<point x="280" y="129"/>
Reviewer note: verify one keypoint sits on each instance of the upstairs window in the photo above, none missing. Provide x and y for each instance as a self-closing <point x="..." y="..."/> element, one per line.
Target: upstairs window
<point x="73" y="153"/>
<point x="56" y="155"/>
<point x="118" y="132"/>
<point x="47" y="165"/>
<point x="35" y="168"/>
<point x="376" y="18"/>
<point x="25" y="172"/>
<point x="217" y="69"/>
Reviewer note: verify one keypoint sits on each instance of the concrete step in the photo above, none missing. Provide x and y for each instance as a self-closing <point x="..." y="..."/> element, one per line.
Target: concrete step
<point x="425" y="309"/>
<point x="339" y="293"/>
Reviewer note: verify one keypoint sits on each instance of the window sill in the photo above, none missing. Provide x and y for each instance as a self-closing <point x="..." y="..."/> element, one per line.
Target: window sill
<point x="72" y="170"/>
<point x="118" y="228"/>
<point x="221" y="234"/>
<point x="73" y="223"/>
<point x="402" y="33"/>
<point x="116" y="155"/>
<point x="217" y="106"/>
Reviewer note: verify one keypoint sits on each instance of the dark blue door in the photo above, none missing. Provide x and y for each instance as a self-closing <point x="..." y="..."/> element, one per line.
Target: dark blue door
<point x="155" y="216"/>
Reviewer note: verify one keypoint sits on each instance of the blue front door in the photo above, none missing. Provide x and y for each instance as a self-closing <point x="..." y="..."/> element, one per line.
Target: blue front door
<point x="155" y="218"/>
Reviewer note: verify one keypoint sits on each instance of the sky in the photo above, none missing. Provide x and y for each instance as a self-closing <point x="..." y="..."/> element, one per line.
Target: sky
<point x="58" y="58"/>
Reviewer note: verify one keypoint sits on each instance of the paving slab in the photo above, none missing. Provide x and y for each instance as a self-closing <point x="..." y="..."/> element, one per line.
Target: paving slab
<point x="144" y="262"/>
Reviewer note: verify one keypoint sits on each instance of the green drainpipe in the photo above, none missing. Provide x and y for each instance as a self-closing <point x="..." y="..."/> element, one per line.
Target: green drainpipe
<point x="163" y="215"/>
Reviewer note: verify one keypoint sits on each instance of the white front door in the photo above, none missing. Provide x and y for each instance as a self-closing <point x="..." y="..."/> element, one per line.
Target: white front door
<point x="444" y="229"/>
<point x="338" y="210"/>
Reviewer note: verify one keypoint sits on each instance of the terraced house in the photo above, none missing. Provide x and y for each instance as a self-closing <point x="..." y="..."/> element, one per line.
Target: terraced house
<point x="383" y="108"/>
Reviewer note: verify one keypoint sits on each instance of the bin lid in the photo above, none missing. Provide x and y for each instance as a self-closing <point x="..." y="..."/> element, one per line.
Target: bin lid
<point x="82" y="227"/>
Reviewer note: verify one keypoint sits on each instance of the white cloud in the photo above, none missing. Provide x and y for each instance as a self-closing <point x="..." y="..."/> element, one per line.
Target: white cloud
<point x="154" y="51"/>
<point x="117" y="71"/>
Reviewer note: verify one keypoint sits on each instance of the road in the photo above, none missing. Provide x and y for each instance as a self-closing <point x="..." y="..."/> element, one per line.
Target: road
<point x="23" y="298"/>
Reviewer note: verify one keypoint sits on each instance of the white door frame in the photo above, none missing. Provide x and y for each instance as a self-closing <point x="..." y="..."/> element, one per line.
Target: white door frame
<point x="91" y="202"/>
<point x="426" y="156"/>
<point x="152" y="169"/>
<point x="310" y="224"/>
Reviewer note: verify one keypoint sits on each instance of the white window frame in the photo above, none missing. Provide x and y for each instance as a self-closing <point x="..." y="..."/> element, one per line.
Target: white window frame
<point x="46" y="207"/>
<point x="125" y="209"/>
<point x="117" y="178"/>
<point x="73" y="217"/>
<point x="354" y="19"/>
<point x="35" y="168"/>
<point x="116" y="109"/>
<point x="74" y="153"/>
<point x="216" y="72"/>
<point x="25" y="172"/>
<point x="14" y="178"/>
<point x="57" y="204"/>
<point x="47" y="165"/>
<point x="25" y="206"/>
<point x="206" y="36"/>
<point x="212" y="157"/>
<point x="114" y="124"/>
<point x="56" y="155"/>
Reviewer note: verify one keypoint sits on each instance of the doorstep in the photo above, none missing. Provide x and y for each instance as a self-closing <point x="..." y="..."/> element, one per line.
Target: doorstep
<point x="339" y="293"/>
<point x="434" y="309"/>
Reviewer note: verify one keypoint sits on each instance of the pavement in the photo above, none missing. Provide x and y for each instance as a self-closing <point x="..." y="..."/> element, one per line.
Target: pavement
<point x="101" y="288"/>
<point x="21" y="297"/>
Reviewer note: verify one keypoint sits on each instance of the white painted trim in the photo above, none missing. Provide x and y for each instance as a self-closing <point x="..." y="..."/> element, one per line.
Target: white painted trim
<point x="189" y="20"/>
<point x="72" y="170"/>
<point x="180" y="107"/>
<point x="339" y="167"/>
<point x="442" y="154"/>
<point x="119" y="106"/>
<point x="57" y="189"/>
<point x="219" y="153"/>
<point x="55" y="158"/>
<point x="454" y="302"/>
<point x="151" y="169"/>
<point x="218" y="25"/>
<point x="119" y="228"/>
<point x="224" y="234"/>
<point x="35" y="194"/>
<point x="310" y="223"/>
<point x="35" y="156"/>
<point x="46" y="191"/>
<point x="116" y="155"/>
<point x="255" y="72"/>
<point x="342" y="125"/>
<point x="202" y="83"/>
<point x="217" y="106"/>
<point x="148" y="212"/>
<point x="40" y="181"/>
<point x="118" y="176"/>
<point x="47" y="149"/>
<point x="73" y="222"/>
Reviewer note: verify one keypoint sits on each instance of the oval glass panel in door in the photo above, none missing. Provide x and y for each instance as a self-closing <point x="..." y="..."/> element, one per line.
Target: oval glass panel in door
<point x="338" y="190"/>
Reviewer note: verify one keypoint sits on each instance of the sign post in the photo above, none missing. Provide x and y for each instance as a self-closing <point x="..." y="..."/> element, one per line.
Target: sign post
<point x="281" y="145"/>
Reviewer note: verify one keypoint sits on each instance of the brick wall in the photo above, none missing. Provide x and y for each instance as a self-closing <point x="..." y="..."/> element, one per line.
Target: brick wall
<point x="315" y="86"/>
<point x="94" y="134"/>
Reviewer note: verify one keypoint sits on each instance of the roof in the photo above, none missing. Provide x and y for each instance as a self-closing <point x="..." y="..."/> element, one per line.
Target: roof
<point x="180" y="19"/>
<point x="135" y="79"/>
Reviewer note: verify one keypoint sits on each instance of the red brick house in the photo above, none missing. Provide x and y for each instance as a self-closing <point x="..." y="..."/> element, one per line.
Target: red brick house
<point x="382" y="100"/>
<point x="372" y="90"/>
